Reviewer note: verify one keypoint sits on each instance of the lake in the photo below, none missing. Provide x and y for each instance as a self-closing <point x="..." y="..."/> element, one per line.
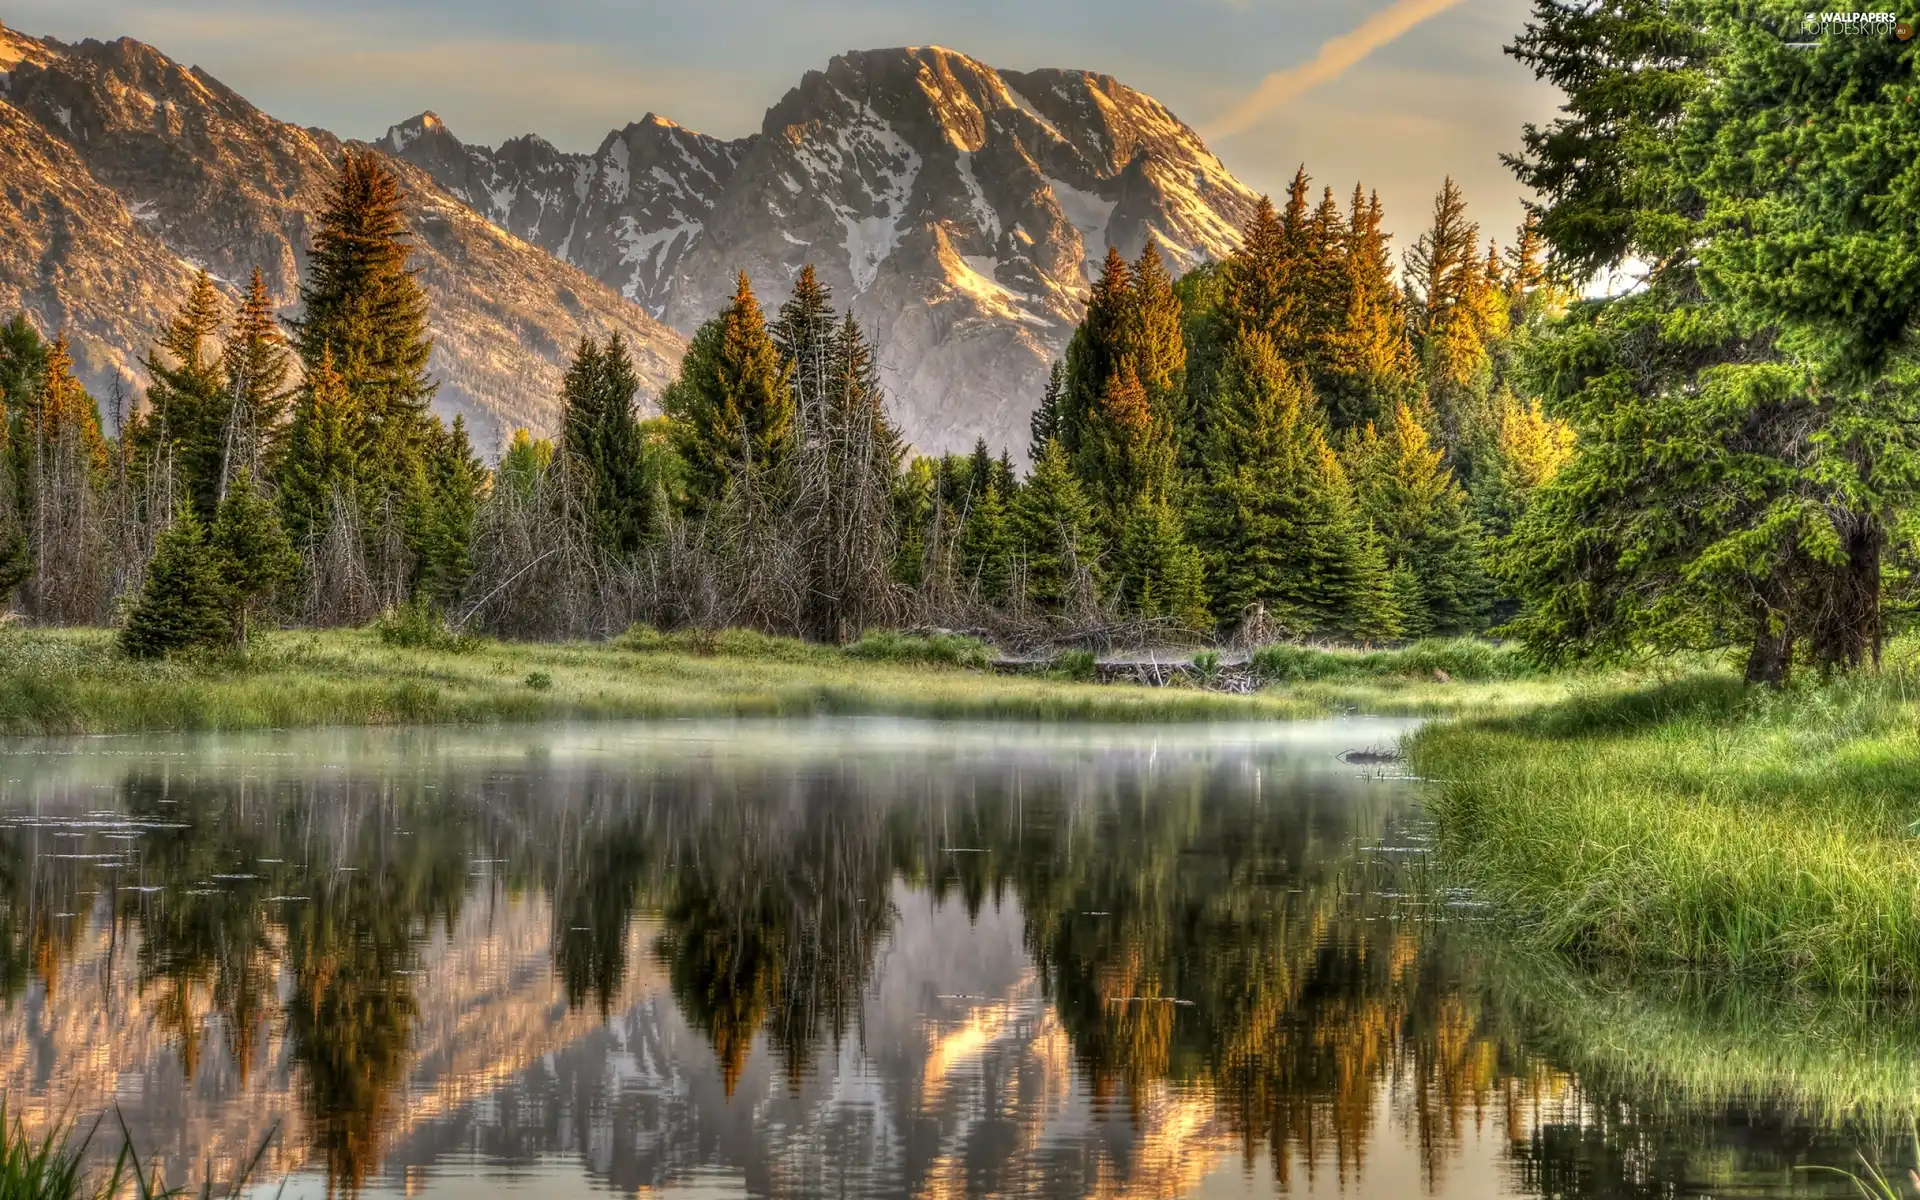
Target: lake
<point x="857" y="958"/>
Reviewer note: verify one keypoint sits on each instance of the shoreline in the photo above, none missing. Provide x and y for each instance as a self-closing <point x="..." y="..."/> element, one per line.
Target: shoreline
<point x="65" y="682"/>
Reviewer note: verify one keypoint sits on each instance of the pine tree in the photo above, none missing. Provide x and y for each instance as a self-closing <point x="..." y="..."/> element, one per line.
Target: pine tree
<point x="23" y="362"/>
<point x="986" y="547"/>
<point x="601" y="436"/>
<point x="1053" y="532"/>
<point x="732" y="404"/>
<point x="187" y="401"/>
<point x="1422" y="519"/>
<point x="1095" y="350"/>
<point x="1152" y="336"/>
<point x="362" y="305"/>
<point x="443" y="503"/>
<point x="252" y="554"/>
<point x="1044" y="425"/>
<point x="1365" y="366"/>
<point x="1158" y="573"/>
<point x="63" y="410"/>
<point x="804" y="332"/>
<point x="255" y="366"/>
<point x="1127" y="452"/>
<point x="523" y="463"/>
<point x="184" y="602"/>
<point x="324" y="445"/>
<point x="1274" y="513"/>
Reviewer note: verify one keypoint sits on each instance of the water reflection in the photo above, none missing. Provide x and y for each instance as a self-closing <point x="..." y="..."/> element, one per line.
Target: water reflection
<point x="853" y="958"/>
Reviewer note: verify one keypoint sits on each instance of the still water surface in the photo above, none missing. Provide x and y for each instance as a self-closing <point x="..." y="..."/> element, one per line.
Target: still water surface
<point x="851" y="958"/>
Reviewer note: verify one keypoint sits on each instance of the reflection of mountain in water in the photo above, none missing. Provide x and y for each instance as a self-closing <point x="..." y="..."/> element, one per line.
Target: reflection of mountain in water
<point x="1050" y="967"/>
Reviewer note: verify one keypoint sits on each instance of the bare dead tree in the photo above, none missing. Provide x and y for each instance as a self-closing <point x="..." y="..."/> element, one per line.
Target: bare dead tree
<point x="340" y="587"/>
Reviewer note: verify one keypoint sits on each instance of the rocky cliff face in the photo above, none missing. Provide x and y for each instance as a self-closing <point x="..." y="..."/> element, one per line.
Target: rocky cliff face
<point x="959" y="209"/>
<point x="121" y="172"/>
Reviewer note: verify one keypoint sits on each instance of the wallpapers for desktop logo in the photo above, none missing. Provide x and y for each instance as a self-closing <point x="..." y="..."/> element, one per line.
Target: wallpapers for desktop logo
<point x="1879" y="24"/>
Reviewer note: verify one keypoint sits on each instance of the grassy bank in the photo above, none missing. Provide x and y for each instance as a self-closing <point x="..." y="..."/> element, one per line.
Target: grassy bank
<point x="73" y="681"/>
<point x="1699" y="822"/>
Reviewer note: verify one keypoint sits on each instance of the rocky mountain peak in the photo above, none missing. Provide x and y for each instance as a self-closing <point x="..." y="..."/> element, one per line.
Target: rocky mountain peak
<point x="960" y="209"/>
<point x="122" y="171"/>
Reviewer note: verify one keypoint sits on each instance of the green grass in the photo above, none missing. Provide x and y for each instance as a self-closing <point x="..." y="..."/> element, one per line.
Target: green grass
<point x="73" y="681"/>
<point x="1467" y="659"/>
<point x="52" y="1167"/>
<point x="1699" y="822"/>
<point x="1691" y="1041"/>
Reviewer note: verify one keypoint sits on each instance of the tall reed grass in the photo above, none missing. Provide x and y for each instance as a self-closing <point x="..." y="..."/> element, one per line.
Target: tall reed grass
<point x="1700" y="822"/>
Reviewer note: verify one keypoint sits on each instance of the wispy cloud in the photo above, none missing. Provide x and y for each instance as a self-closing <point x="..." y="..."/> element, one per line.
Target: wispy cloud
<point x="1331" y="62"/>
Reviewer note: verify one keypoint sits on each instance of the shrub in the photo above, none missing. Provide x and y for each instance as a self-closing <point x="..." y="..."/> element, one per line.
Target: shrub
<point x="417" y="626"/>
<point x="1460" y="658"/>
<point x="1078" y="665"/>
<point x="938" y="649"/>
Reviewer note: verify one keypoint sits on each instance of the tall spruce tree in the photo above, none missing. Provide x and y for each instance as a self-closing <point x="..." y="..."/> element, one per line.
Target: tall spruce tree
<point x="1053" y="533"/>
<point x="187" y="401"/>
<point x="601" y="436"/>
<point x="362" y="305"/>
<point x="252" y="554"/>
<point x="1157" y="573"/>
<point x="443" y="502"/>
<point x="325" y="443"/>
<point x="1423" y="520"/>
<point x="804" y="332"/>
<point x="1273" y="511"/>
<point x="986" y="547"/>
<point x="1044" y="425"/>
<point x="1712" y="391"/>
<point x="1095" y="350"/>
<point x="732" y="405"/>
<point x="254" y="366"/>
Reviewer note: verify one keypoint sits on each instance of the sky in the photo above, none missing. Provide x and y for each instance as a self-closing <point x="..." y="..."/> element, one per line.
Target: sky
<point x="1395" y="94"/>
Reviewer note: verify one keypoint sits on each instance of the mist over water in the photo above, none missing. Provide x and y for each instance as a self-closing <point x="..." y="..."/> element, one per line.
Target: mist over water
<point x="864" y="958"/>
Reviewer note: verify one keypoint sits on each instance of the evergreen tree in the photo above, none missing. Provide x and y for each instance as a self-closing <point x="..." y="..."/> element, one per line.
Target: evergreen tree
<point x="1151" y="337"/>
<point x="1421" y="516"/>
<point x="1053" y="532"/>
<point x="23" y="362"/>
<point x="187" y="401"/>
<point x="1158" y="573"/>
<point x="324" y="445"/>
<point x="601" y="435"/>
<point x="1742" y="448"/>
<point x="1364" y="368"/>
<point x="1044" y="425"/>
<point x="1127" y="452"/>
<point x="1095" y="350"/>
<point x="443" y="502"/>
<point x="254" y="365"/>
<point x="1274" y="513"/>
<point x="523" y="463"/>
<point x="986" y="547"/>
<point x="804" y="332"/>
<point x="251" y="551"/>
<point x="732" y="404"/>
<point x="362" y="305"/>
<point x="63" y="412"/>
<point x="184" y="601"/>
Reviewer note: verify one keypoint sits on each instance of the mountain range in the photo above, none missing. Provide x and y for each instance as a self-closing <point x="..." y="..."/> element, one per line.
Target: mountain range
<point x="960" y="210"/>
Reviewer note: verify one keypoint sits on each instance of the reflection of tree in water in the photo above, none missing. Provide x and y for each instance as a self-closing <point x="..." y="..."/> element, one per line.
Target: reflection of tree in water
<point x="776" y="903"/>
<point x="1188" y="935"/>
<point x="1186" y="932"/>
<point x="381" y="872"/>
<point x="200" y="934"/>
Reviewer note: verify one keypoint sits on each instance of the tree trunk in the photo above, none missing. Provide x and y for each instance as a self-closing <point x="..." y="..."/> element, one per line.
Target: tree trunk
<point x="1771" y="659"/>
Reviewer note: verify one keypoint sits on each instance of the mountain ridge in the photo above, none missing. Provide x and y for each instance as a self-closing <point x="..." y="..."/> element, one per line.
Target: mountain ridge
<point x="203" y="179"/>
<point x="960" y="210"/>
